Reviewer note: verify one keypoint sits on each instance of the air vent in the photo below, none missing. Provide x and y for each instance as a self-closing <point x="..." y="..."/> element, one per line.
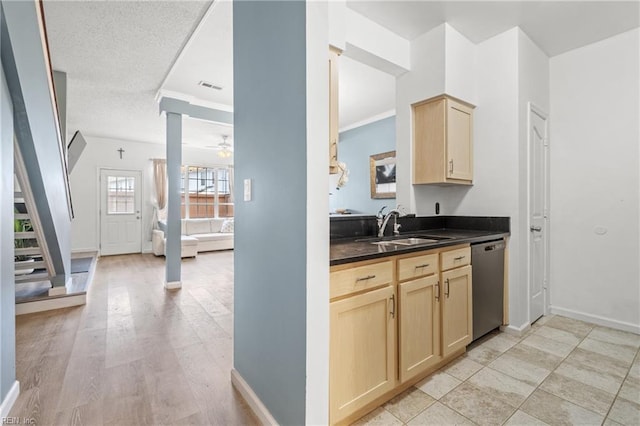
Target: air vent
<point x="209" y="85"/>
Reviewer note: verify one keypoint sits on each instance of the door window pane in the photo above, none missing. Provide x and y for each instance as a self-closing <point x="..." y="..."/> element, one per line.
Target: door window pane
<point x="120" y="194"/>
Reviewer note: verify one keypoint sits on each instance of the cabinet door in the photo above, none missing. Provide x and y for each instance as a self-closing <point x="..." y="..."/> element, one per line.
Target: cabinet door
<point x="333" y="111"/>
<point x="362" y="350"/>
<point x="459" y="141"/>
<point x="419" y="325"/>
<point x="457" y="327"/>
<point x="429" y="133"/>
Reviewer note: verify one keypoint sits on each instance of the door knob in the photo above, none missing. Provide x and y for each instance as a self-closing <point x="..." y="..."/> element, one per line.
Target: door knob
<point x="536" y="229"/>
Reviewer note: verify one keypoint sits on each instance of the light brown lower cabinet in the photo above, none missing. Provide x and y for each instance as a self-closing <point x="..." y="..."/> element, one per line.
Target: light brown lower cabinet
<point x="424" y="297"/>
<point x="419" y="326"/>
<point x="457" y="318"/>
<point x="363" y="350"/>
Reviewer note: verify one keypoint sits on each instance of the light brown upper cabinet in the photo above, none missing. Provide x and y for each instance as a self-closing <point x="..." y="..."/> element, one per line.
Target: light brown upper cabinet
<point x="442" y="141"/>
<point x="333" y="109"/>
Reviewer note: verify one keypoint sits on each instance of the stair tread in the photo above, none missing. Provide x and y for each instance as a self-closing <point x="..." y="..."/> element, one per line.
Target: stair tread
<point x="25" y="251"/>
<point x="37" y="264"/>
<point x="36" y="276"/>
<point x="24" y="235"/>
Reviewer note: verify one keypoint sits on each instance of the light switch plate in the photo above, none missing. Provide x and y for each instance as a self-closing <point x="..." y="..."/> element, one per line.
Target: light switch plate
<point x="247" y="189"/>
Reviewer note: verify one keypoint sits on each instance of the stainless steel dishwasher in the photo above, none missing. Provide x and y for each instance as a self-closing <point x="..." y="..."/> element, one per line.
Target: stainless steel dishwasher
<point x="487" y="260"/>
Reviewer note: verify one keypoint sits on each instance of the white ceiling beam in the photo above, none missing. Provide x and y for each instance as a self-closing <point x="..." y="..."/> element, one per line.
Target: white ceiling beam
<point x="195" y="111"/>
<point x="374" y="45"/>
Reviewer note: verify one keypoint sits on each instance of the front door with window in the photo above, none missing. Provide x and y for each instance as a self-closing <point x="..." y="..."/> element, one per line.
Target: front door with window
<point x="120" y="206"/>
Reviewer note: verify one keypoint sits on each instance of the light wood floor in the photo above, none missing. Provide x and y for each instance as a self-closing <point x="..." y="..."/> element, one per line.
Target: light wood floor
<point x="135" y="354"/>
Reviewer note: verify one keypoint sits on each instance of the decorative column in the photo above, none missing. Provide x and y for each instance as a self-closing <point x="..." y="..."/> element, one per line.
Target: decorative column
<point x="173" y="238"/>
<point x="175" y="109"/>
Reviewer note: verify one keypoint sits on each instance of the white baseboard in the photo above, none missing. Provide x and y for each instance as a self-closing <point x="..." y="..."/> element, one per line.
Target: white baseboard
<point x="77" y="254"/>
<point x="252" y="399"/>
<point x="606" y="322"/>
<point x="9" y="400"/>
<point x="50" y="304"/>
<point x="92" y="250"/>
<point x="516" y="331"/>
<point x="172" y="285"/>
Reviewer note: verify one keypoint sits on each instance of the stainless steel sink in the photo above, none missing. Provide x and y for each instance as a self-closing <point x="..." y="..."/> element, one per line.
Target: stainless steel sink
<point x="403" y="240"/>
<point x="406" y="241"/>
<point x="433" y="237"/>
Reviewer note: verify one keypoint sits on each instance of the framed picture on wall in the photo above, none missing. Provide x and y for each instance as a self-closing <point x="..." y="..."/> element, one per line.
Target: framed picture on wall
<point x="383" y="175"/>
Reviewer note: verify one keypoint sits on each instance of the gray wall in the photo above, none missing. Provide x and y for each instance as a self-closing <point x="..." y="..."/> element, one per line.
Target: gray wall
<point x="270" y="234"/>
<point x="355" y="147"/>
<point x="7" y="289"/>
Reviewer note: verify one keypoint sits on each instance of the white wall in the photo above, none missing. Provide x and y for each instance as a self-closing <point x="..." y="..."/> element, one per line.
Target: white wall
<point x="317" y="292"/>
<point x="442" y="61"/>
<point x="102" y="153"/>
<point x="595" y="182"/>
<point x="500" y="75"/>
<point x="497" y="147"/>
<point x="426" y="79"/>
<point x="460" y="66"/>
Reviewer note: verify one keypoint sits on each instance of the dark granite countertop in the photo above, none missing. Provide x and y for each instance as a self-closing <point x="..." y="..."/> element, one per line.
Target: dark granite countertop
<point x="349" y="250"/>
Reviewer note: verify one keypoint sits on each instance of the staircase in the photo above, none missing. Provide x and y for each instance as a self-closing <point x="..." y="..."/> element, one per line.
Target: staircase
<point x="43" y="202"/>
<point x="30" y="265"/>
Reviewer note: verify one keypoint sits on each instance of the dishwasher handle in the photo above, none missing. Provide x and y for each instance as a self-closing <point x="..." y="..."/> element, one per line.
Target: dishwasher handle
<point x="492" y="247"/>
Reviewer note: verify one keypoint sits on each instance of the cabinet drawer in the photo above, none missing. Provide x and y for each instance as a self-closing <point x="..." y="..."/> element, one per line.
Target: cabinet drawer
<point x="455" y="258"/>
<point x="417" y="266"/>
<point x="360" y="278"/>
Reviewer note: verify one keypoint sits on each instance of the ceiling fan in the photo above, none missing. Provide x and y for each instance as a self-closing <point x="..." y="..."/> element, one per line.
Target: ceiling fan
<point x="225" y="150"/>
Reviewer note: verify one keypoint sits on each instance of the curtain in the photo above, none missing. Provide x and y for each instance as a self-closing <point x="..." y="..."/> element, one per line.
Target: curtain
<point x="231" y="197"/>
<point x="160" y="181"/>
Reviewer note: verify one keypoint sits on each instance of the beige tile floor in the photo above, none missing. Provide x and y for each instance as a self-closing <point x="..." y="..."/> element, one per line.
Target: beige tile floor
<point x="561" y="372"/>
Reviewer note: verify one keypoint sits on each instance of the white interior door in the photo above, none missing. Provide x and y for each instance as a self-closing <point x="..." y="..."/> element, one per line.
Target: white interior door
<point x="120" y="206"/>
<point x="538" y="213"/>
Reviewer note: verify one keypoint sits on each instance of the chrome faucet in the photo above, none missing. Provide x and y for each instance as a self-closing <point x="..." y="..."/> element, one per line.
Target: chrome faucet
<point x="380" y="217"/>
<point x="382" y="222"/>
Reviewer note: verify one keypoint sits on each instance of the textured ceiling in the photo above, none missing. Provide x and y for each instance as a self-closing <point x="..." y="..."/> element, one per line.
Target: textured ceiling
<point x="209" y="57"/>
<point x="116" y="54"/>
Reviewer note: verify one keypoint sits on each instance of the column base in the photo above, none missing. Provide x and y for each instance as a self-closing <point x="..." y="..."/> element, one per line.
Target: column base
<point x="172" y="285"/>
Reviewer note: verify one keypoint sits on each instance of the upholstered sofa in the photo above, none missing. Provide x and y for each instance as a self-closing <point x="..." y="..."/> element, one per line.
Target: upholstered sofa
<point x="197" y="235"/>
